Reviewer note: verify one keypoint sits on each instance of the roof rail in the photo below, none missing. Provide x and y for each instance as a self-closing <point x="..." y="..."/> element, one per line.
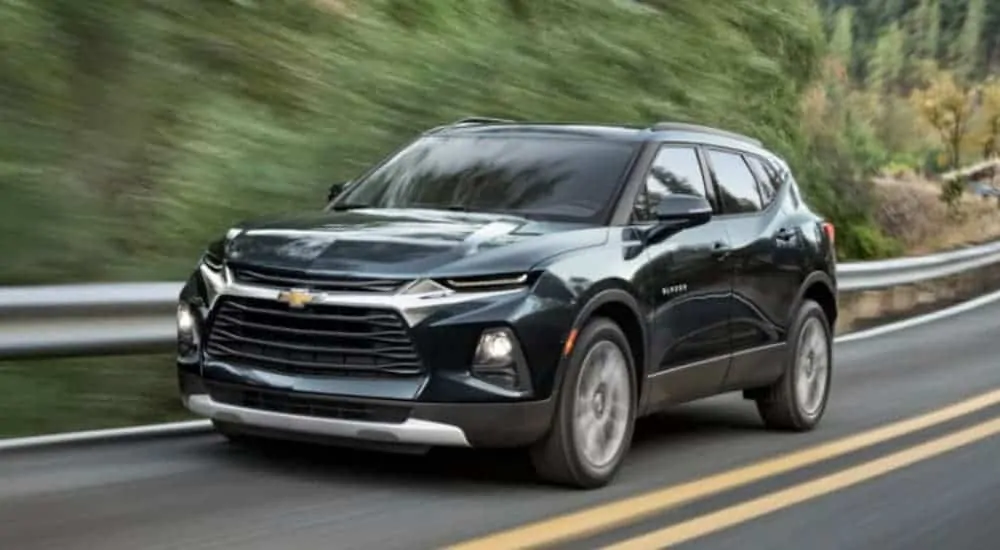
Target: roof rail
<point x="686" y="127"/>
<point x="481" y="120"/>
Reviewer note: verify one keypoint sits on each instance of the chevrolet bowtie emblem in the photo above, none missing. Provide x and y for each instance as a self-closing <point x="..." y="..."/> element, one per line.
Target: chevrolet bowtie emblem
<point x="295" y="298"/>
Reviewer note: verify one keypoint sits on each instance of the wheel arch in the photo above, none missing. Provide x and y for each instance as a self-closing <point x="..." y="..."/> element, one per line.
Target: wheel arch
<point x="621" y="307"/>
<point x="819" y="287"/>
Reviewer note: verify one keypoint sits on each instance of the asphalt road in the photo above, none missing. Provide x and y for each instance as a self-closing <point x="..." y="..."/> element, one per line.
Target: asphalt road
<point x="934" y="487"/>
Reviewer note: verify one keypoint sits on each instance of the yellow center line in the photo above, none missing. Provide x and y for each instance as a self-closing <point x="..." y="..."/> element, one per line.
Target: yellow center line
<point x="746" y="511"/>
<point x="603" y="517"/>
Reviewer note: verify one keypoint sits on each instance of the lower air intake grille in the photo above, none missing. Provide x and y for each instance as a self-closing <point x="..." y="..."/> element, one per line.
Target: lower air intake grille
<point x="304" y="405"/>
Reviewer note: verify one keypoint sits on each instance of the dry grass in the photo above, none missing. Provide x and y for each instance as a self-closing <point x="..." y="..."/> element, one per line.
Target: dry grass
<point x="909" y="210"/>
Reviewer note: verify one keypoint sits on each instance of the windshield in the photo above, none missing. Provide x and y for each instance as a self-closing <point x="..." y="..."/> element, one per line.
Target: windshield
<point x="547" y="178"/>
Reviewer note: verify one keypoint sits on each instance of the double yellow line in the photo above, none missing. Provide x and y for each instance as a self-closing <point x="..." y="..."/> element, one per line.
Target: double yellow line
<point x="605" y="517"/>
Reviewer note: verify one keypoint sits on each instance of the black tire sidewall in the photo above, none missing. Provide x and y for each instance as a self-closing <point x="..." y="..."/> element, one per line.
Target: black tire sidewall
<point x="809" y="309"/>
<point x="594" y="332"/>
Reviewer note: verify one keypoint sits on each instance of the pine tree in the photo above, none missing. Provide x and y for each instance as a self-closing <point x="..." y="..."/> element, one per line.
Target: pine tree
<point x="931" y="28"/>
<point x="968" y="51"/>
<point x="842" y="41"/>
<point x="885" y="66"/>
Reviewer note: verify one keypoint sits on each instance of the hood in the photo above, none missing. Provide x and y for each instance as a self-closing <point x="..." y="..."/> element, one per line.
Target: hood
<point x="406" y="243"/>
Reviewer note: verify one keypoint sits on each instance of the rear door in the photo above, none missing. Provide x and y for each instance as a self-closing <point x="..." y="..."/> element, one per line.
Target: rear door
<point x="788" y="259"/>
<point x="763" y="286"/>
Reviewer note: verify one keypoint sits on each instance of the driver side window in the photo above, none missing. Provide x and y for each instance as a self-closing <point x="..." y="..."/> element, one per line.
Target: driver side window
<point x="674" y="171"/>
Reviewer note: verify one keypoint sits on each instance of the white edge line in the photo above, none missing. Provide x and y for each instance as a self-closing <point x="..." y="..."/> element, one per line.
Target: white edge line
<point x="195" y="427"/>
<point x="190" y="427"/>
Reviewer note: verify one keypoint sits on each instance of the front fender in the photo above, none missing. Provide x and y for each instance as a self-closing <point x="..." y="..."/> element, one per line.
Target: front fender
<point x="586" y="310"/>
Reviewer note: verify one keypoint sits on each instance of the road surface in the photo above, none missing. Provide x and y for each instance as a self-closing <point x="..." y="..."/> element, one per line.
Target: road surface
<point x="927" y="477"/>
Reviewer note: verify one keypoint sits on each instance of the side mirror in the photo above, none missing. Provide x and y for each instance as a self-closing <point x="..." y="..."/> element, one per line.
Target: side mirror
<point x="683" y="211"/>
<point x="336" y="189"/>
<point x="676" y="213"/>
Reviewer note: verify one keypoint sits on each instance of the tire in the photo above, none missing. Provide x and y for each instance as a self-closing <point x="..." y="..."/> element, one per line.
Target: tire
<point x="785" y="405"/>
<point x="561" y="456"/>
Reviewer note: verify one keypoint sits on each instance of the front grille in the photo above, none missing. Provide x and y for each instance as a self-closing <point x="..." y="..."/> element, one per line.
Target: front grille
<point x="282" y="278"/>
<point x="305" y="405"/>
<point x="317" y="339"/>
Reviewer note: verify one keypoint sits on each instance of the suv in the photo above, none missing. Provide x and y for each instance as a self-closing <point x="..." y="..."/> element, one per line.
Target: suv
<point x="503" y="284"/>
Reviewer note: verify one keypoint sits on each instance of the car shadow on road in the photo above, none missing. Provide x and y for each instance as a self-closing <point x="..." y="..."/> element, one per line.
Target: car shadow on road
<point x="697" y="421"/>
<point x="680" y="427"/>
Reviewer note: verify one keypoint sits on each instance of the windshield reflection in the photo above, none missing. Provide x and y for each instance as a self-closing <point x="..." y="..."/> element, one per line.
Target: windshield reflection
<point x="544" y="178"/>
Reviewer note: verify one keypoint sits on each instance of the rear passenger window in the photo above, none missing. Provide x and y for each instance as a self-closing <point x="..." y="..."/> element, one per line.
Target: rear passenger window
<point x="675" y="171"/>
<point x="737" y="186"/>
<point x="783" y="176"/>
<point x="765" y="179"/>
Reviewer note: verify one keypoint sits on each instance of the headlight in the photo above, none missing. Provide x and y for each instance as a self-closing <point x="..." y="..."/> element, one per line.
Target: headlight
<point x="489" y="283"/>
<point x="188" y="338"/>
<point x="211" y="260"/>
<point x="499" y="361"/>
<point x="215" y="253"/>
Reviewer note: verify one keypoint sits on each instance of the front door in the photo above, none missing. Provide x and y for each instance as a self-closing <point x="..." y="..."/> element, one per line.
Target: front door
<point x="691" y="295"/>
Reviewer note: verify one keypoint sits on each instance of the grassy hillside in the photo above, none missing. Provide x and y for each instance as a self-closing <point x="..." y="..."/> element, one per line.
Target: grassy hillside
<point x="132" y="132"/>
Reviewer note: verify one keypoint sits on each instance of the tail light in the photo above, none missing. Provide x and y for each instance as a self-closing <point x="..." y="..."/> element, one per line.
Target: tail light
<point x="831" y="233"/>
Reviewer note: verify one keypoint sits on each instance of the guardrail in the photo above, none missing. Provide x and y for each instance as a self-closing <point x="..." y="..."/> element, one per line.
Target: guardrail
<point x="123" y="318"/>
<point x="886" y="273"/>
<point x="87" y="319"/>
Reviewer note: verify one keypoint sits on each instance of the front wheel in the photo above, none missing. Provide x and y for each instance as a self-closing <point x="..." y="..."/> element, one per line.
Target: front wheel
<point x="799" y="398"/>
<point x="595" y="414"/>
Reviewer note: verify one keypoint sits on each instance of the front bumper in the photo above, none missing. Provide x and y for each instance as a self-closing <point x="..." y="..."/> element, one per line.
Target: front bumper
<point x="440" y="403"/>
<point x="480" y="425"/>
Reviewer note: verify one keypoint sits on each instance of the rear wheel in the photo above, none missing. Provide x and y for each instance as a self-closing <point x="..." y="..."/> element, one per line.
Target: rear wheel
<point x="798" y="400"/>
<point x="595" y="413"/>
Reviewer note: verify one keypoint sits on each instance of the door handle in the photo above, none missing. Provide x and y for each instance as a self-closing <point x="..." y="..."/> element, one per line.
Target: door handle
<point x="785" y="234"/>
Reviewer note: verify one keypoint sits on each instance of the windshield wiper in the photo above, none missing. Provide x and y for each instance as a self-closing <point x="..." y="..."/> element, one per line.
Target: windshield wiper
<point x="452" y="207"/>
<point x="349" y="206"/>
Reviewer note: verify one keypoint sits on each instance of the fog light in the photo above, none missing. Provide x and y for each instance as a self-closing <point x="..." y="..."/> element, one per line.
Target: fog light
<point x="495" y="347"/>
<point x="188" y="339"/>
<point x="498" y="360"/>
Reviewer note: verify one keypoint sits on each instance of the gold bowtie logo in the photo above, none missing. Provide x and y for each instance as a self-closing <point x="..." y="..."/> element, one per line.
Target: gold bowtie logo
<point x="295" y="298"/>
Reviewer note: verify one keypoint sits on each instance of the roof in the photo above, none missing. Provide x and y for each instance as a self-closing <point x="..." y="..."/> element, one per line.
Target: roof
<point x="664" y="131"/>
